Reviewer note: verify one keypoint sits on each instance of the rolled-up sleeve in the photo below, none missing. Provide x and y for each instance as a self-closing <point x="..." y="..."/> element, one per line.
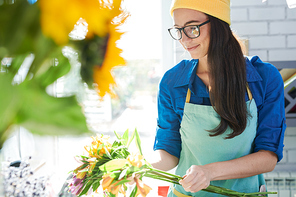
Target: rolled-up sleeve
<point x="168" y="123"/>
<point x="271" y="115"/>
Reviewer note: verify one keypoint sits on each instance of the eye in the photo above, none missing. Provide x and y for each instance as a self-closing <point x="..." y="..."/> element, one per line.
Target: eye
<point x="192" y="31"/>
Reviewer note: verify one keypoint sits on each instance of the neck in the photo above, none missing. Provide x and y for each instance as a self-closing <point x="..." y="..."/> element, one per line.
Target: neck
<point x="202" y="66"/>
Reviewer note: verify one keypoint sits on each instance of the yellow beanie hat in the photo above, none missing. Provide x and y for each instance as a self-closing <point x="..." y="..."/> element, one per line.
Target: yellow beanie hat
<point x="217" y="8"/>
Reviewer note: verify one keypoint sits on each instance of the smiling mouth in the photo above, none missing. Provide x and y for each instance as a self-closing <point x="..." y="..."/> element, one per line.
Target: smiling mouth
<point x="192" y="48"/>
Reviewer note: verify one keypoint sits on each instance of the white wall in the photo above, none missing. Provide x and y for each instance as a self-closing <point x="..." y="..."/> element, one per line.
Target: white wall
<point x="270" y="28"/>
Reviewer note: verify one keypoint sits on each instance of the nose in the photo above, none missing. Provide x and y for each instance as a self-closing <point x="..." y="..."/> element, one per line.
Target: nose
<point x="184" y="38"/>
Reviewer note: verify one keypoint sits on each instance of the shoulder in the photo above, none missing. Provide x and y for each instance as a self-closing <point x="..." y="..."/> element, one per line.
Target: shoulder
<point x="264" y="79"/>
<point x="265" y="70"/>
<point x="177" y="73"/>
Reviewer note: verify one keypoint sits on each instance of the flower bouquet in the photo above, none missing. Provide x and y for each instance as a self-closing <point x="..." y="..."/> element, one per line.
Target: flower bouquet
<point x="110" y="166"/>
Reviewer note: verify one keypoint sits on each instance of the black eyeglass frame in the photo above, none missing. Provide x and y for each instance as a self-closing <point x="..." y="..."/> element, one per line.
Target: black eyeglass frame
<point x="182" y="29"/>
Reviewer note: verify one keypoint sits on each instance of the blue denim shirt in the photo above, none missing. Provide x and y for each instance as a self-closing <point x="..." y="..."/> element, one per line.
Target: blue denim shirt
<point x="266" y="85"/>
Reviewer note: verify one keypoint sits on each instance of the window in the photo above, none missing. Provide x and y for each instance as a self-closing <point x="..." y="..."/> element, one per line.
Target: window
<point x="134" y="107"/>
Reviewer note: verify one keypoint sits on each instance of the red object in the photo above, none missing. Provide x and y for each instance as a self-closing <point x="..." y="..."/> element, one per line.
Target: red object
<point x="163" y="191"/>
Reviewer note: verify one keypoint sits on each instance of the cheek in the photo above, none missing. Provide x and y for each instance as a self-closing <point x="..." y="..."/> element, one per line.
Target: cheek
<point x="182" y="44"/>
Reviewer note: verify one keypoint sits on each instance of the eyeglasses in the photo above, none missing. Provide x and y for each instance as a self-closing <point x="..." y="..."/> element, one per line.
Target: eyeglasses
<point x="191" y="31"/>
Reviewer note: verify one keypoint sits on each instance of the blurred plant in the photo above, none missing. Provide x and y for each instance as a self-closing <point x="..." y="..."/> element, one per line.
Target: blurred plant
<point x="39" y="32"/>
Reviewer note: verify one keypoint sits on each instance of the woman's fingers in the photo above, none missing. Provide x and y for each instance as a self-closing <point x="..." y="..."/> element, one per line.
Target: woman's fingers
<point x="195" y="179"/>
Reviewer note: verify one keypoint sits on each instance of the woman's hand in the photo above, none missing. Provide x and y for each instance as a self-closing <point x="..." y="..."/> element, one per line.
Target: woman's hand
<point x="196" y="179"/>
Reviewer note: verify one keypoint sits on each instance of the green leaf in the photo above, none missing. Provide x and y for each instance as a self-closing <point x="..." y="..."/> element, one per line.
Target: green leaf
<point x="118" y="149"/>
<point x="138" y="141"/>
<point x="96" y="184"/>
<point x="123" y="182"/>
<point x="46" y="115"/>
<point x="134" y="192"/>
<point x="131" y="138"/>
<point x="19" y="37"/>
<point x="9" y="106"/>
<point x="86" y="188"/>
<point x="54" y="71"/>
<point x="84" y="157"/>
<point x="107" y="153"/>
<point x="117" y="135"/>
<point x="16" y="64"/>
<point x="82" y="166"/>
<point x="114" y="164"/>
<point x="111" y="195"/>
<point x="125" y="138"/>
<point x="123" y="173"/>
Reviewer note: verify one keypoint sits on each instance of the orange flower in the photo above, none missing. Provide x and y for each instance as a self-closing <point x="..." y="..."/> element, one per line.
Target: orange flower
<point x="111" y="187"/>
<point x="143" y="189"/>
<point x="99" y="146"/>
<point x="114" y="188"/>
<point x="81" y="175"/>
<point x="92" y="165"/>
<point x="136" y="159"/>
<point x="106" y="182"/>
<point x="80" y="168"/>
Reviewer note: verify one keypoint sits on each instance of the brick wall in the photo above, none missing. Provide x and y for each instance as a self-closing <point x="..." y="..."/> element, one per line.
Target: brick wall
<point x="288" y="162"/>
<point x="270" y="28"/>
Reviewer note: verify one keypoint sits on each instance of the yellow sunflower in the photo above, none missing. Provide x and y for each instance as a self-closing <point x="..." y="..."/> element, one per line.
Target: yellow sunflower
<point x="102" y="74"/>
<point x="58" y="17"/>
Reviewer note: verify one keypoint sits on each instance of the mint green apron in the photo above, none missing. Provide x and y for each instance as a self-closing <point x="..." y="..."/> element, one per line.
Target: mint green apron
<point x="198" y="148"/>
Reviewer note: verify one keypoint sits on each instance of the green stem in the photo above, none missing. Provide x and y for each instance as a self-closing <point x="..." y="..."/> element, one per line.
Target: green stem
<point x="172" y="178"/>
<point x="257" y="193"/>
<point x="169" y="174"/>
<point x="165" y="176"/>
<point x="159" y="178"/>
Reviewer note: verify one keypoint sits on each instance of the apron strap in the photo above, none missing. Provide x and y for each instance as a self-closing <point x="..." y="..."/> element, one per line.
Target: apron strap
<point x="249" y="92"/>
<point x="177" y="193"/>
<point x="247" y="86"/>
<point x="188" y="96"/>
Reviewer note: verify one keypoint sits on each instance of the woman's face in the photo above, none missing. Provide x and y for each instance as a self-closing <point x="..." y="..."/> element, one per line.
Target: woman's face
<point x="197" y="47"/>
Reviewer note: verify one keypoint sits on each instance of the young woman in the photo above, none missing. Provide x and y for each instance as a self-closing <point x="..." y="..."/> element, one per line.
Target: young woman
<point x="221" y="116"/>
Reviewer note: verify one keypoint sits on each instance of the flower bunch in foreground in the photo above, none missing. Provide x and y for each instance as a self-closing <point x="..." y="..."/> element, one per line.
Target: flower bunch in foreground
<point x="109" y="167"/>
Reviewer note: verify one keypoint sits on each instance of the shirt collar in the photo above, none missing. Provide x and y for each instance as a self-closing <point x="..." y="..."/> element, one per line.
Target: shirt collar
<point x="252" y="74"/>
<point x="188" y="75"/>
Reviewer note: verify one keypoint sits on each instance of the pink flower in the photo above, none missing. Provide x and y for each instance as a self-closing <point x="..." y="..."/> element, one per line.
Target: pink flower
<point x="76" y="185"/>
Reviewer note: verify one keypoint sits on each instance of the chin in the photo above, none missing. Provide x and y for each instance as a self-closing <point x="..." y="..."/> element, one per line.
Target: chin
<point x="197" y="56"/>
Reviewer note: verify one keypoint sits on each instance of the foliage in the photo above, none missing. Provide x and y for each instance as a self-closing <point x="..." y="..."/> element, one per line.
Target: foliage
<point x="39" y="32"/>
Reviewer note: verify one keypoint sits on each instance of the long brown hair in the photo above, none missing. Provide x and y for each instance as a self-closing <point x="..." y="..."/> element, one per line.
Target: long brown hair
<point x="227" y="78"/>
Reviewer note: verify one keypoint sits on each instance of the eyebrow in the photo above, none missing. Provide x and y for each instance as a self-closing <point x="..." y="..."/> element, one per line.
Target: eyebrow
<point x="192" y="21"/>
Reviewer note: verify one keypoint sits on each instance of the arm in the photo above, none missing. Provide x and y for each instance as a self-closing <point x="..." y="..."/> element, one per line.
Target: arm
<point x="199" y="177"/>
<point x="167" y="143"/>
<point x="164" y="161"/>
